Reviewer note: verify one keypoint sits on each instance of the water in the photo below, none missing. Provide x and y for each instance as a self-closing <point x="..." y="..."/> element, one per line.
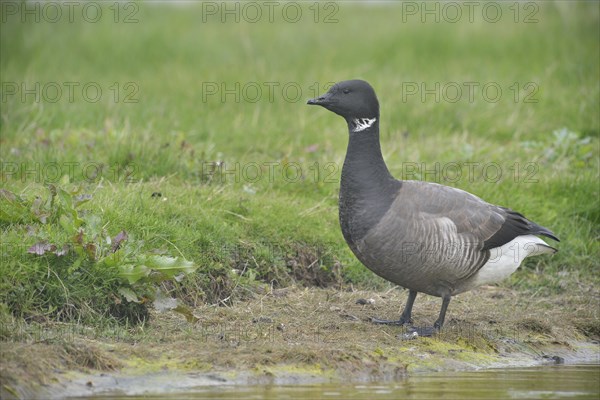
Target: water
<point x="544" y="382"/>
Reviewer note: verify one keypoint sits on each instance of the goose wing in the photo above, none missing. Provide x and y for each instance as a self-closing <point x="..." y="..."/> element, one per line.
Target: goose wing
<point x="488" y="224"/>
<point x="446" y="231"/>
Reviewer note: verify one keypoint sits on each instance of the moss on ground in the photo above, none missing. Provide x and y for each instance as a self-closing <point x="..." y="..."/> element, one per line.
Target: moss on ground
<point x="305" y="335"/>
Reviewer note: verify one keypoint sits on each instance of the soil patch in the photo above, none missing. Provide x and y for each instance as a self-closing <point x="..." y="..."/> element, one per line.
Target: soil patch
<point x="302" y="335"/>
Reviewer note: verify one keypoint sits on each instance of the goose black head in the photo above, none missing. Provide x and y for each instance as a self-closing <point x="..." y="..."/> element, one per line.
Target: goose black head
<point x="354" y="100"/>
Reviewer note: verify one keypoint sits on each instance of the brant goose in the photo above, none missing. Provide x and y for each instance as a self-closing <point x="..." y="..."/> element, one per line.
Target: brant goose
<point x="422" y="236"/>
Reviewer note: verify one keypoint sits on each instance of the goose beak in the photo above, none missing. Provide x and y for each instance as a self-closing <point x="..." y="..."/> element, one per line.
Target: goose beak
<point x="322" y="100"/>
<point x="315" y="102"/>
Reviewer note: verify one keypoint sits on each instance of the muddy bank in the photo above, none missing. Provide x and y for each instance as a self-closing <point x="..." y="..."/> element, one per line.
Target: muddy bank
<point x="301" y="336"/>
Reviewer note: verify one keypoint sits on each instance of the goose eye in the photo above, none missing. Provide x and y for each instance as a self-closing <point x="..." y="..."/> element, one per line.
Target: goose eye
<point x="346" y="91"/>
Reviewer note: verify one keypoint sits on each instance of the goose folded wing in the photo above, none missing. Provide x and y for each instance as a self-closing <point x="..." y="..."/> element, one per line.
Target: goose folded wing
<point x="456" y="227"/>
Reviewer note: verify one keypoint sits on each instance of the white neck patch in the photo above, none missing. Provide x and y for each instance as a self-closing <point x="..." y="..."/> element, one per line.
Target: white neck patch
<point x="360" y="124"/>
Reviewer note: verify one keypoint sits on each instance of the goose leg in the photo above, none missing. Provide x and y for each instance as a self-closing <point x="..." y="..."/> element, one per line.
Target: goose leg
<point x="437" y="326"/>
<point x="440" y="321"/>
<point x="405" y="318"/>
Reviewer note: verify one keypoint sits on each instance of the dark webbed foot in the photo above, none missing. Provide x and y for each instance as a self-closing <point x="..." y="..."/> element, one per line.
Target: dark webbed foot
<point x="413" y="332"/>
<point x="423" y="331"/>
<point x="427" y="331"/>
<point x="405" y="318"/>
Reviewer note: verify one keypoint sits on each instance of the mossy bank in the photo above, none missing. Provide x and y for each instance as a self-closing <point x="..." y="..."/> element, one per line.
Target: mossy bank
<point x="300" y="335"/>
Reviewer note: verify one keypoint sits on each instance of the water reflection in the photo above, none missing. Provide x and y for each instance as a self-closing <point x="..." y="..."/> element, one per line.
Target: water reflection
<point x="546" y="382"/>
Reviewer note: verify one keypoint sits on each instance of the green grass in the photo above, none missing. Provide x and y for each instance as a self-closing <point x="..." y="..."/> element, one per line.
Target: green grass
<point x="274" y="229"/>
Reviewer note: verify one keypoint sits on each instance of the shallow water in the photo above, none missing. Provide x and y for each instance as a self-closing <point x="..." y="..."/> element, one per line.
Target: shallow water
<point x="544" y="382"/>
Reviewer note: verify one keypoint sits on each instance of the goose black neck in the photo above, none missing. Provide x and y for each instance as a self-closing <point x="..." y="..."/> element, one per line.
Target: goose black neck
<point x="367" y="187"/>
<point x="364" y="164"/>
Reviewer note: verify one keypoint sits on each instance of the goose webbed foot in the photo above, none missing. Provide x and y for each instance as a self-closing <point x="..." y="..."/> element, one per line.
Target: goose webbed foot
<point x="405" y="318"/>
<point x="413" y="332"/>
<point x="427" y="331"/>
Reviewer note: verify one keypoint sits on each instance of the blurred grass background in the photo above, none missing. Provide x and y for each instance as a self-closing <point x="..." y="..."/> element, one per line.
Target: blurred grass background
<point x="277" y="230"/>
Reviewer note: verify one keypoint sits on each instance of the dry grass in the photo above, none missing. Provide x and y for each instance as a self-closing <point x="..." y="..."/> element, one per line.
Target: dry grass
<point x="323" y="331"/>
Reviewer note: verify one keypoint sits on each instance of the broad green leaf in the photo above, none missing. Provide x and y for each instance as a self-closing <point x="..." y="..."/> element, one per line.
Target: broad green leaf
<point x="133" y="273"/>
<point x="115" y="259"/>
<point x="129" y="294"/>
<point x="66" y="199"/>
<point x="170" y="266"/>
